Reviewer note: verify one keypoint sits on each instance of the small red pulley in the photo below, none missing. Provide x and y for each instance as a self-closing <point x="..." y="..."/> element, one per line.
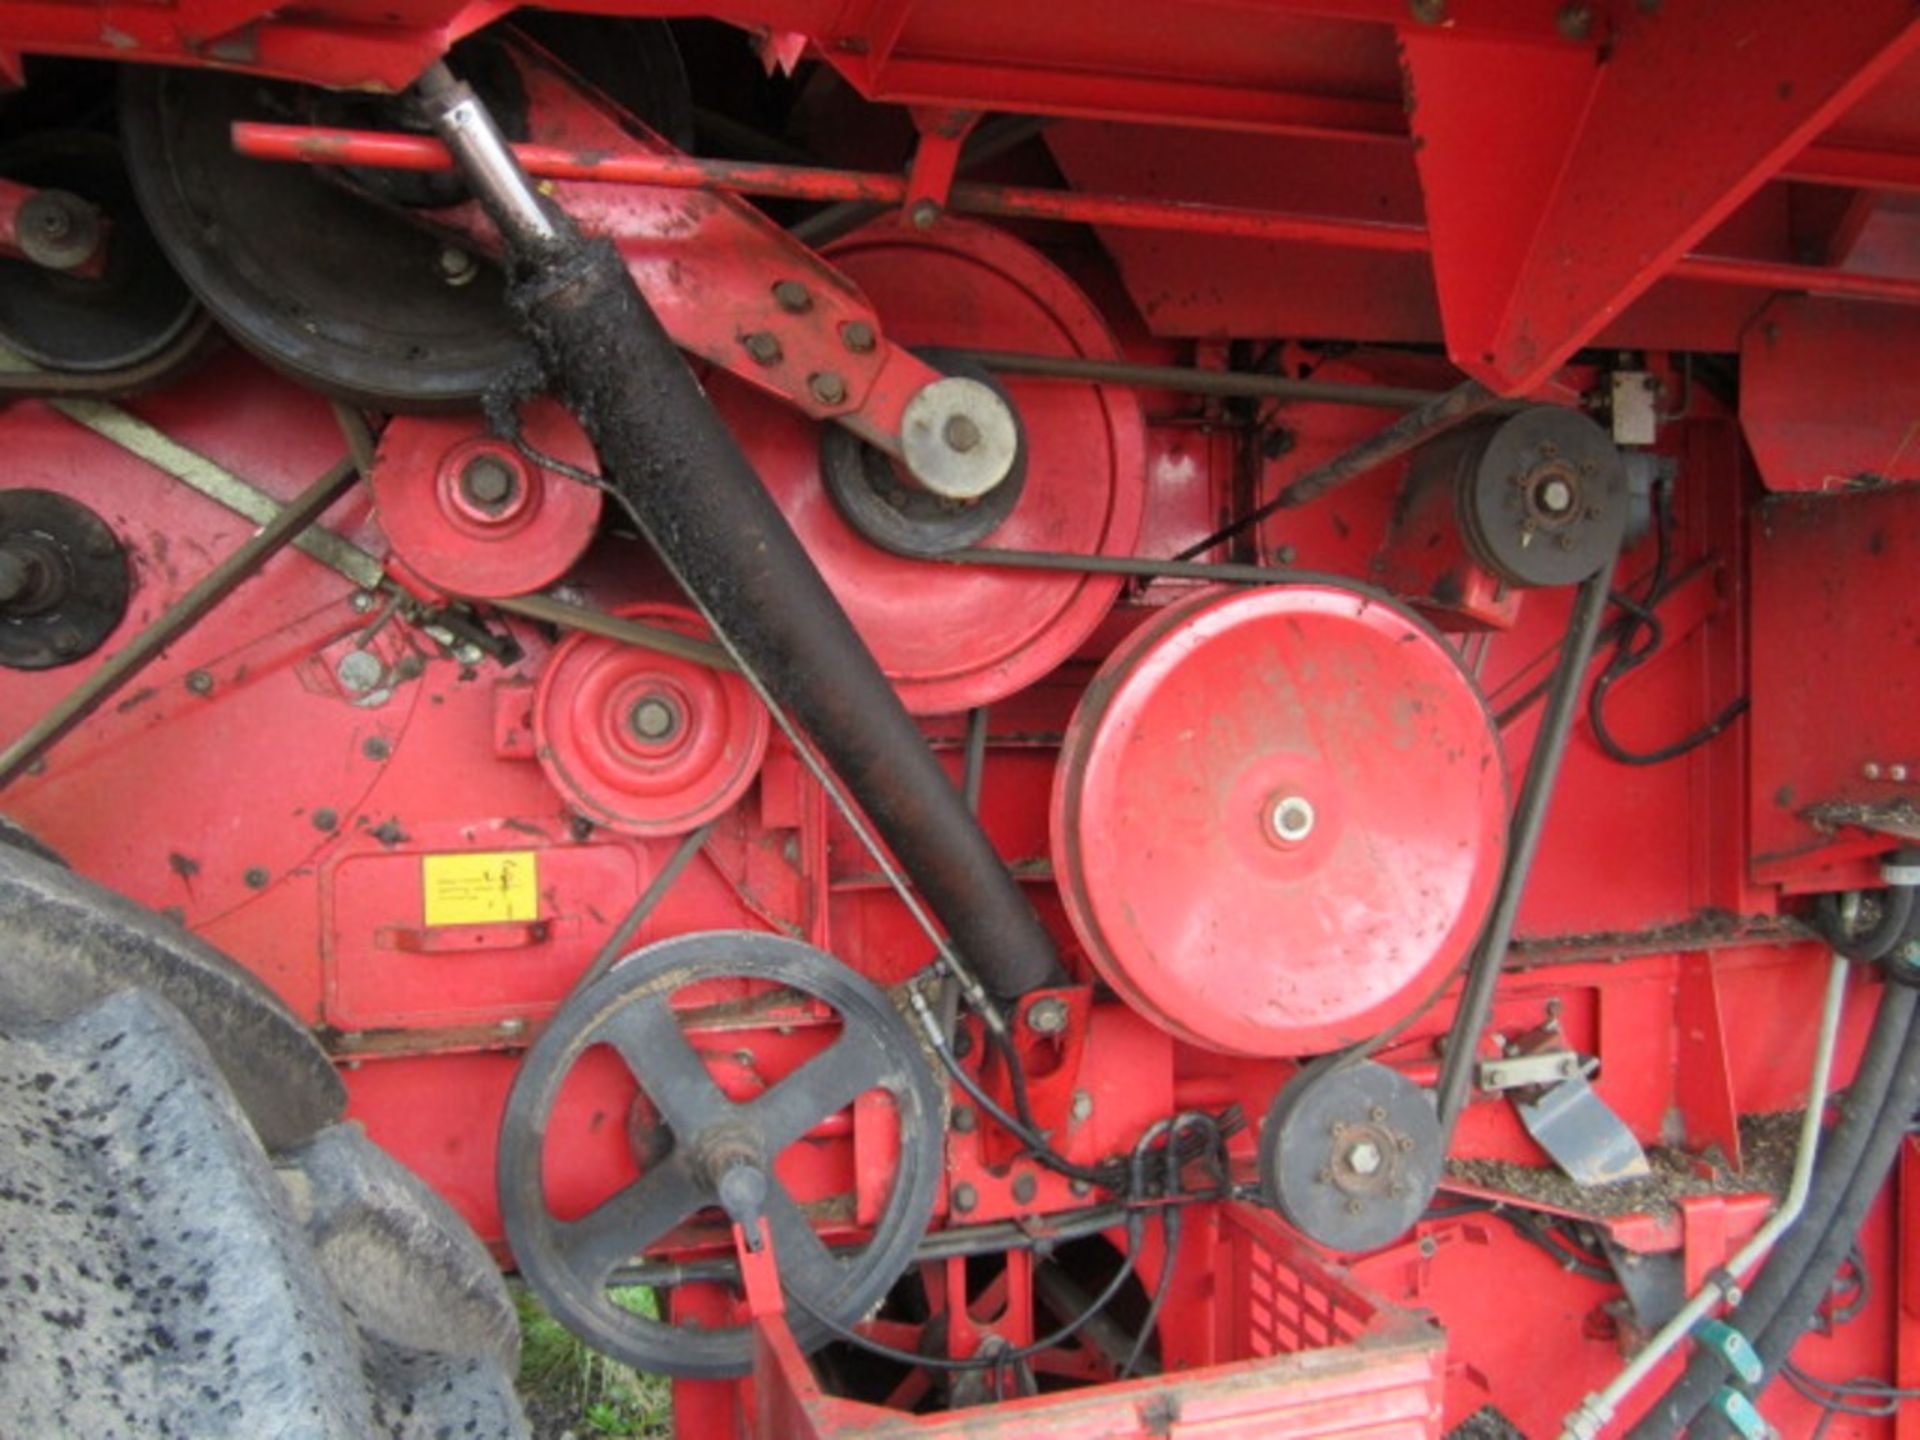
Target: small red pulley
<point x="645" y="743"/>
<point x="1279" y="817"/>
<point x="470" y="514"/>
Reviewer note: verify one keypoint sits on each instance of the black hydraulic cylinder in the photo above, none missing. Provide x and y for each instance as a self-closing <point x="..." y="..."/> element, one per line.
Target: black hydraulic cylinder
<point x="679" y="470"/>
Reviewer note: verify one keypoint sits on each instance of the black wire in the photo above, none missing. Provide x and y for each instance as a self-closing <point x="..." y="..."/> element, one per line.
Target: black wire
<point x="1631" y="652"/>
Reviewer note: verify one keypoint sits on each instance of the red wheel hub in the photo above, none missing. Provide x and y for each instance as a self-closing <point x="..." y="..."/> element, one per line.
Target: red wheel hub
<point x="645" y="743"/>
<point x="468" y="513"/>
<point x="955" y="636"/>
<point x="1279" y="817"/>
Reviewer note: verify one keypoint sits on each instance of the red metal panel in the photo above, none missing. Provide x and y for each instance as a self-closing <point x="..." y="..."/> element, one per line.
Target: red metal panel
<point x="1555" y="207"/>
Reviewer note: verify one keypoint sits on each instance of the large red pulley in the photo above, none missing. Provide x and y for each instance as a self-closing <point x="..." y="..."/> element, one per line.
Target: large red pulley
<point x="470" y="514"/>
<point x="645" y="743"/>
<point x="1279" y="817"/>
<point x="949" y="635"/>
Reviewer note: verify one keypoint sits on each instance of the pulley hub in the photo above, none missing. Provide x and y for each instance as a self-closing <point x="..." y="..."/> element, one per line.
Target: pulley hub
<point x="470" y="514"/>
<point x="953" y="636"/>
<point x="63" y="580"/>
<point x="1279" y="817"/>
<point x="645" y="743"/>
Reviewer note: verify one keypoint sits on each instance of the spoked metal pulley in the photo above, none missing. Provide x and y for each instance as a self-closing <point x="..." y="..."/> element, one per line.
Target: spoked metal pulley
<point x="716" y="1029"/>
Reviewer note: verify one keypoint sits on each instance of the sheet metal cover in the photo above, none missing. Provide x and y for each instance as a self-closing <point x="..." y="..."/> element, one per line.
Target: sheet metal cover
<point x="1279" y="817"/>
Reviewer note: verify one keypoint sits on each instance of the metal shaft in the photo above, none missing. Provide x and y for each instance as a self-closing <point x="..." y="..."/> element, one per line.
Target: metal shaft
<point x="679" y="472"/>
<point x="215" y="586"/>
<point x="1529" y="820"/>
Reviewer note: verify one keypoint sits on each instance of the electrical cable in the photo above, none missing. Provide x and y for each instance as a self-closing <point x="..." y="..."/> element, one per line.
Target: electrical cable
<point x="1630" y="653"/>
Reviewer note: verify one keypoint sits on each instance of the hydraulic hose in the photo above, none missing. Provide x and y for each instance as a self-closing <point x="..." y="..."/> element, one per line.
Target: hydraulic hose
<point x="1890" y="1046"/>
<point x="1795" y="1313"/>
<point x="680" y="473"/>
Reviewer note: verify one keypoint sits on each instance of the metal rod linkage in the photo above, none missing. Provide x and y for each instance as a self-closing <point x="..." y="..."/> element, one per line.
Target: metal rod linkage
<point x="212" y="588"/>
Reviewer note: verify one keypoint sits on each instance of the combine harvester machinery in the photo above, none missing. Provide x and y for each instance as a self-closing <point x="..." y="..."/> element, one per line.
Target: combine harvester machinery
<point x="1189" y="719"/>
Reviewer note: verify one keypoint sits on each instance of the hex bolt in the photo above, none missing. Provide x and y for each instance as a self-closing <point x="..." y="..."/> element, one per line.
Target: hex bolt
<point x="827" y="388"/>
<point x="964" y="1119"/>
<point x="1565" y="542"/>
<point x="1081" y="1188"/>
<point x="326" y="820"/>
<point x="961" y="434"/>
<point x="1427" y="12"/>
<point x="1897" y="774"/>
<point x="1378" y="1114"/>
<point x="256" y="878"/>
<point x="1047" y="1015"/>
<point x="1405" y="1142"/>
<point x="488" y="481"/>
<point x="924" y="214"/>
<point x="468" y="653"/>
<point x="1556" y="496"/>
<point x="792" y="297"/>
<point x="1364" y="1158"/>
<point x="1574" y="22"/>
<point x="1354" y="1207"/>
<point x="199" y="682"/>
<point x="965" y="1197"/>
<point x="1870" y="770"/>
<point x="857" y="336"/>
<point x="375" y="748"/>
<point x="1081" y="1110"/>
<point x="1025" y="1187"/>
<point x="763" y="346"/>
<point x="361" y="601"/>
<point x="359" y="672"/>
<point x="1428" y="1247"/>
<point x="456" y="266"/>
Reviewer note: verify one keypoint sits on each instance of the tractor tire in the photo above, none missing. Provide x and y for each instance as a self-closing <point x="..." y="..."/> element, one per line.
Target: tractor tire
<point x="186" y="1252"/>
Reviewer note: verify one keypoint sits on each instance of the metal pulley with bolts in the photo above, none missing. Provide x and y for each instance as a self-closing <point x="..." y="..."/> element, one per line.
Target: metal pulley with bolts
<point x="64" y="582"/>
<point x="707" y="1153"/>
<point x="471" y="514"/>
<point x="1542" y="495"/>
<point x="1279" y="817"/>
<point x="645" y="743"/>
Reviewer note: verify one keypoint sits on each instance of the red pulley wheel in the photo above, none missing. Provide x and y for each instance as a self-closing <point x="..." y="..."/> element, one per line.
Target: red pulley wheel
<point x="468" y="513"/>
<point x="645" y="743"/>
<point x="1279" y="817"/>
<point x="953" y="636"/>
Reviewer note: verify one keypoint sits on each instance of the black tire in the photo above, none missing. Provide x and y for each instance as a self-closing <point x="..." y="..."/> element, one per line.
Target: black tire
<point x="165" y="1269"/>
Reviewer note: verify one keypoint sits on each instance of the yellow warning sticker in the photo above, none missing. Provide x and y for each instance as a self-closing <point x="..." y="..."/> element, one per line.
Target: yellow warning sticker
<point x="481" y="889"/>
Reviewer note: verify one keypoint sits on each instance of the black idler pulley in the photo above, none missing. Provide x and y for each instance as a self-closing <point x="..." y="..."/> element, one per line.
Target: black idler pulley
<point x="338" y="276"/>
<point x="1350" y="1154"/>
<point x="1542" y="494"/>
<point x="907" y="519"/>
<point x="63" y="580"/>
<point x="99" y="293"/>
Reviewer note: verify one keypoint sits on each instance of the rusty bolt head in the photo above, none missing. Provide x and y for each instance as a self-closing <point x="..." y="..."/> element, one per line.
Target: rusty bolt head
<point x="965" y="1197"/>
<point x="827" y="388"/>
<point x="792" y="297"/>
<point x="1354" y="1207"/>
<point x="763" y="346"/>
<point x="857" y="336"/>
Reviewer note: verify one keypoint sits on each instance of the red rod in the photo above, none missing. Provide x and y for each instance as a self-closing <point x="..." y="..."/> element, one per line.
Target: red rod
<point x="309" y="146"/>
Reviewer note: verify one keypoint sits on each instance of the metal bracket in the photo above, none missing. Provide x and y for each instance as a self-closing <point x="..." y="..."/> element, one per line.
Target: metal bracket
<point x="1518" y="1072"/>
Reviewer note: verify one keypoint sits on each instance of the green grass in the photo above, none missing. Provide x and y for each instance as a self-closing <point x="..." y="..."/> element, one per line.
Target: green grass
<point x="566" y="1386"/>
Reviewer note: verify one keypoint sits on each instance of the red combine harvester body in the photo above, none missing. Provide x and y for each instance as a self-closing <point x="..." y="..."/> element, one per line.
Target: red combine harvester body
<point x="1184" y="719"/>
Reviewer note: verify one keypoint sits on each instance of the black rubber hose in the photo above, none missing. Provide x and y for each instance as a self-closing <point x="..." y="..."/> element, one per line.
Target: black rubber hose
<point x="1841" y="1153"/>
<point x="1795" y="1313"/>
<point x="1896" y="914"/>
<point x="701" y="505"/>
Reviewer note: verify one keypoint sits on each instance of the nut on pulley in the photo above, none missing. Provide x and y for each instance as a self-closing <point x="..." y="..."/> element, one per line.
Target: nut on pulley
<point x="1541" y="495"/>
